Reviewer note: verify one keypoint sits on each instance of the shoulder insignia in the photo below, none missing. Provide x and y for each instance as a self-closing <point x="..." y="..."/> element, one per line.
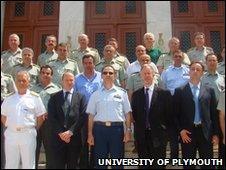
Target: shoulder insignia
<point x="34" y="94"/>
<point x="190" y="49"/>
<point x="3" y="52"/>
<point x="93" y="49"/>
<point x="7" y="75"/>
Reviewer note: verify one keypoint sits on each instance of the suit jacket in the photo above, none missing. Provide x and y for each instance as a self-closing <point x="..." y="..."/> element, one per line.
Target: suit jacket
<point x="158" y="114"/>
<point x="184" y="107"/>
<point x="76" y="117"/>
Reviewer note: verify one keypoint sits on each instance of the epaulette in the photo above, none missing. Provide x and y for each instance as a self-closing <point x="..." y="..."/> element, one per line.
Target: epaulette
<point x="35" y="65"/>
<point x="209" y="49"/>
<point x="93" y="49"/>
<point x="3" y="52"/>
<point x="190" y="49"/>
<point x="10" y="94"/>
<point x="135" y="73"/>
<point x="72" y="60"/>
<point x="7" y="75"/>
<point x="120" y="88"/>
<point x="34" y="94"/>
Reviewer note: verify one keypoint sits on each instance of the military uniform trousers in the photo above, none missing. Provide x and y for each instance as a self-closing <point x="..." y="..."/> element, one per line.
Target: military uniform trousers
<point x="20" y="142"/>
<point x="108" y="139"/>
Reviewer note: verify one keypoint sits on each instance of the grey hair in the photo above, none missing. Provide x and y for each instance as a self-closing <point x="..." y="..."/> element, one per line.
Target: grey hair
<point x="24" y="73"/>
<point x="28" y="49"/>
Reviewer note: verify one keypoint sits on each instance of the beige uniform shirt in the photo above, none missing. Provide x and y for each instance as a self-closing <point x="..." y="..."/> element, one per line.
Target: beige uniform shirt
<point x="7" y="85"/>
<point x="46" y="57"/>
<point x="78" y="54"/>
<point x="10" y="59"/>
<point x="33" y="71"/>
<point x="59" y="67"/>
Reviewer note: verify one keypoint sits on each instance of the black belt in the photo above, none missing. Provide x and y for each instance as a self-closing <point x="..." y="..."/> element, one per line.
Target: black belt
<point x="197" y="125"/>
<point x="109" y="123"/>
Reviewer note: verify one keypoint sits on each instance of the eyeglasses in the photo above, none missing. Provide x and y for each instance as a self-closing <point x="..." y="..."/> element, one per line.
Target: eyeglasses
<point x="105" y="73"/>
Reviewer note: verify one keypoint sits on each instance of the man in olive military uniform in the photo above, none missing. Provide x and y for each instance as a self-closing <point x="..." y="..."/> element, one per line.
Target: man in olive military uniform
<point x="199" y="52"/>
<point x="77" y="54"/>
<point x="108" y="59"/>
<point x="45" y="88"/>
<point x="166" y="59"/>
<point x="221" y="65"/>
<point x="63" y="64"/>
<point x="27" y="65"/>
<point x="120" y="59"/>
<point x="12" y="56"/>
<point x="50" y="53"/>
<point x="212" y="78"/>
<point x="7" y="87"/>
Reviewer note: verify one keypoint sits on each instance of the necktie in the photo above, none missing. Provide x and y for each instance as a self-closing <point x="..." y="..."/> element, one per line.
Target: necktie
<point x="196" y="100"/>
<point x="67" y="107"/>
<point x="147" y="108"/>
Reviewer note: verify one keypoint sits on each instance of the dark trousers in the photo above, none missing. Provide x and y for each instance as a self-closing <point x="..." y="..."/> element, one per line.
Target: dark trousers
<point x="174" y="142"/>
<point x="222" y="154"/>
<point x="86" y="157"/>
<point x="66" y="155"/>
<point x="2" y="147"/>
<point x="108" y="140"/>
<point x="148" y="149"/>
<point x="43" y="136"/>
<point x="198" y="142"/>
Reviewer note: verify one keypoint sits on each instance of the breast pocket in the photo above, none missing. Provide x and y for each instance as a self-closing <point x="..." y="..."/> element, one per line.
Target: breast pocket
<point x="28" y="110"/>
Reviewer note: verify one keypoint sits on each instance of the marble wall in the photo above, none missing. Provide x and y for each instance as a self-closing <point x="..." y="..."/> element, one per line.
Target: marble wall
<point x="159" y="20"/>
<point x="71" y="21"/>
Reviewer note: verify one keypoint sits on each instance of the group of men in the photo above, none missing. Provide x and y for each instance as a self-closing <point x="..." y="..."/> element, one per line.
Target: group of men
<point x="82" y="107"/>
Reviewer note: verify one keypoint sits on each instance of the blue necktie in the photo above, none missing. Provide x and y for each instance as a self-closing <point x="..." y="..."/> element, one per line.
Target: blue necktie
<point x="147" y="108"/>
<point x="196" y="100"/>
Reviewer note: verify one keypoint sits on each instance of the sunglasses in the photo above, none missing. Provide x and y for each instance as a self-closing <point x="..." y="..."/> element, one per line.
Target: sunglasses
<point x="105" y="73"/>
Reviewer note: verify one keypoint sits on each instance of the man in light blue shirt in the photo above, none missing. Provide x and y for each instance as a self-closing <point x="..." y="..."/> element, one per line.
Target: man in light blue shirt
<point x="175" y="76"/>
<point x="86" y="83"/>
<point x="108" y="110"/>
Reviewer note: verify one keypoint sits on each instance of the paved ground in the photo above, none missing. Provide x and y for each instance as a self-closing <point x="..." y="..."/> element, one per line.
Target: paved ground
<point x="128" y="154"/>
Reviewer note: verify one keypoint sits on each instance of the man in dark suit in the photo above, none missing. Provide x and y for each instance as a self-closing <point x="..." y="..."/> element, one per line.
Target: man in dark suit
<point x="195" y="108"/>
<point x="150" y="110"/>
<point x="66" y="110"/>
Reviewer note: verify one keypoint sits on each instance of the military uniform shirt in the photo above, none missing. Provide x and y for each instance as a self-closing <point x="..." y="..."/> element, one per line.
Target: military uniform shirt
<point x="216" y="81"/>
<point x="10" y="59"/>
<point x="78" y="54"/>
<point x="199" y="55"/>
<point x="221" y="68"/>
<point x="121" y="75"/>
<point x="135" y="81"/>
<point x="33" y="71"/>
<point x="46" y="57"/>
<point x="45" y="92"/>
<point x="122" y="60"/>
<point x="7" y="85"/>
<point x="109" y="105"/>
<point x="136" y="67"/>
<point x="174" y="77"/>
<point x="59" y="67"/>
<point x="22" y="110"/>
<point x="221" y="103"/>
<point x="165" y="60"/>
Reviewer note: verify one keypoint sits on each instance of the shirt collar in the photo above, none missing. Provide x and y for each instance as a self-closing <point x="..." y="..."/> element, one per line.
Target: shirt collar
<point x="71" y="91"/>
<point x="150" y="88"/>
<point x="113" y="88"/>
<point x="192" y="85"/>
